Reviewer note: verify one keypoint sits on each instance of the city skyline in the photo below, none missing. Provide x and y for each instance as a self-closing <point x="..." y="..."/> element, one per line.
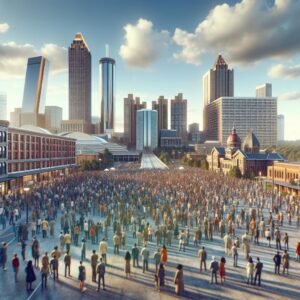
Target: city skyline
<point x="168" y="66"/>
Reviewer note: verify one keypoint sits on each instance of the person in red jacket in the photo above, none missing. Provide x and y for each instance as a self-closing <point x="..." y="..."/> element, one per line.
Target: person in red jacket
<point x="16" y="265"/>
<point x="298" y="251"/>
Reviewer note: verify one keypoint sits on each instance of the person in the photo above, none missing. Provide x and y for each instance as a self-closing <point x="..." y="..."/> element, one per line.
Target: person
<point x="278" y="238"/>
<point x="116" y="240"/>
<point x="62" y="242"/>
<point x="214" y="267"/>
<point x="145" y="256"/>
<point x="3" y="255"/>
<point x="30" y="276"/>
<point x="235" y="255"/>
<point x="178" y="280"/>
<point x="67" y="261"/>
<point x="268" y="236"/>
<point x="157" y="257"/>
<point x="94" y="262"/>
<point x="81" y="276"/>
<point x="285" y="262"/>
<point x="203" y="256"/>
<point x="160" y="277"/>
<point x="23" y="249"/>
<point x="286" y="241"/>
<point x="101" y="273"/>
<point x="103" y="249"/>
<point x="135" y="255"/>
<point x="258" y="271"/>
<point x="16" y="265"/>
<point x="127" y="263"/>
<point x="35" y="247"/>
<point x="297" y="251"/>
<point x="83" y="249"/>
<point x="54" y="266"/>
<point x="164" y="255"/>
<point x="250" y="270"/>
<point x="45" y="269"/>
<point x="277" y="262"/>
<point x="222" y="269"/>
<point x="67" y="240"/>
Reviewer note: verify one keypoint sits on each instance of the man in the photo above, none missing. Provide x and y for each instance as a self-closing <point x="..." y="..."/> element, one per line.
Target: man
<point x="55" y="252"/>
<point x="116" y="240"/>
<point x="45" y="269"/>
<point x="203" y="256"/>
<point x="135" y="255"/>
<point x="285" y="262"/>
<point x="67" y="239"/>
<point x="54" y="266"/>
<point x="234" y="255"/>
<point x="277" y="262"/>
<point x="67" y="261"/>
<point x="44" y="228"/>
<point x="145" y="256"/>
<point x="286" y="241"/>
<point x="16" y="265"/>
<point x="246" y="245"/>
<point x="23" y="249"/>
<point x="101" y="273"/>
<point x="103" y="250"/>
<point x="76" y="231"/>
<point x="157" y="257"/>
<point x="278" y="238"/>
<point x="214" y="267"/>
<point x="258" y="270"/>
<point x="94" y="262"/>
<point x="62" y="241"/>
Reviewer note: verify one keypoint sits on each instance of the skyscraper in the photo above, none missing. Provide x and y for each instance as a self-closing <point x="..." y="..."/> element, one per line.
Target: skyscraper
<point x="264" y="90"/>
<point x="217" y="82"/>
<point x="79" y="80"/>
<point x="131" y="106"/>
<point x="107" y="93"/>
<point x="280" y="128"/>
<point x="161" y="106"/>
<point x="3" y="106"/>
<point x="146" y="129"/>
<point x="53" y="118"/>
<point x="179" y="116"/>
<point x="34" y="96"/>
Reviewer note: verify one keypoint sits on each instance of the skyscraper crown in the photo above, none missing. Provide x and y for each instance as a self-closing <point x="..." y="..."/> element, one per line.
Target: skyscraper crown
<point x="220" y="61"/>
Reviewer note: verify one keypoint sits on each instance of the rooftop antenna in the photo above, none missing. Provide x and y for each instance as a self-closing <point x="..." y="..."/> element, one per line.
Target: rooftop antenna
<point x="106" y="50"/>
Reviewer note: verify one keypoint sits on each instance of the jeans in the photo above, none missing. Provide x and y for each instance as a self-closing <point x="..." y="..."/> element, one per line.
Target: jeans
<point x="214" y="274"/>
<point x="135" y="261"/>
<point x="101" y="277"/>
<point x="257" y="275"/>
<point x="235" y="259"/>
<point x="67" y="269"/>
<point x="145" y="265"/>
<point x="44" y="280"/>
<point x="250" y="277"/>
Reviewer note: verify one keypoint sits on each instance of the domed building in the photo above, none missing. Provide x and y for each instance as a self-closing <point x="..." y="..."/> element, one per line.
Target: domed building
<point x="234" y="141"/>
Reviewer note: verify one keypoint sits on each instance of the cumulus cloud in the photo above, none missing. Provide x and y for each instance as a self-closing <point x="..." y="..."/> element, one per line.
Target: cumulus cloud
<point x="290" y="96"/>
<point x="3" y="27"/>
<point x="13" y="58"/>
<point x="143" y="44"/>
<point x="281" y="71"/>
<point x="246" y="32"/>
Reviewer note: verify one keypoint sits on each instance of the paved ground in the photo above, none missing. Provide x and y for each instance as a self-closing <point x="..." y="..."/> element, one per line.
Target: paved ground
<point x="141" y="286"/>
<point x="151" y="161"/>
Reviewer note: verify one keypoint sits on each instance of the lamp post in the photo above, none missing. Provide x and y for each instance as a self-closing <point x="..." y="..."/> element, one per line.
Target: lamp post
<point x="26" y="189"/>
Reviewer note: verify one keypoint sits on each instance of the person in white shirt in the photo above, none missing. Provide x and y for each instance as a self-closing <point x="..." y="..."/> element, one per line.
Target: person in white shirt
<point x="103" y="250"/>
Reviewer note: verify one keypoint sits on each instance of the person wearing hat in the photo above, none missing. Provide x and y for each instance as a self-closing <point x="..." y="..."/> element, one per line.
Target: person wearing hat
<point x="214" y="267"/>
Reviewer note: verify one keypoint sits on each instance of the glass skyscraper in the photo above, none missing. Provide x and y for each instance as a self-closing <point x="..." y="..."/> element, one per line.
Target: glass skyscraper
<point x="107" y="93"/>
<point x="80" y="82"/>
<point x="146" y="129"/>
<point x="34" y="96"/>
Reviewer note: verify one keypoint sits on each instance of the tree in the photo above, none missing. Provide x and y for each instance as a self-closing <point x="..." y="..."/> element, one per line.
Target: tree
<point x="106" y="158"/>
<point x="235" y="172"/>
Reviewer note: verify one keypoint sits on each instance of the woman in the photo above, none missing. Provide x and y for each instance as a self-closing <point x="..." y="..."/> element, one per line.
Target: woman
<point x="250" y="270"/>
<point x="30" y="276"/>
<point x="81" y="276"/>
<point x="127" y="264"/>
<point x="222" y="269"/>
<point x="298" y="252"/>
<point x="163" y="255"/>
<point x="160" y="277"/>
<point x="178" y="280"/>
<point x="285" y="262"/>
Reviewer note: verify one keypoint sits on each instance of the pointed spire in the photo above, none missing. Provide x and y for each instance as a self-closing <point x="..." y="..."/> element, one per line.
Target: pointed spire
<point x="220" y="61"/>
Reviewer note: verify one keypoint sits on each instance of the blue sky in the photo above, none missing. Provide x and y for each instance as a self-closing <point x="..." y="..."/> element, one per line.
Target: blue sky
<point x="160" y="47"/>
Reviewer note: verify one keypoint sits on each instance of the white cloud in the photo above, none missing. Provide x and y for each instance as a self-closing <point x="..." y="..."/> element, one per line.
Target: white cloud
<point x="246" y="32"/>
<point x="281" y="71"/>
<point x="13" y="58"/>
<point x="3" y="27"/>
<point x="290" y="96"/>
<point x="143" y="44"/>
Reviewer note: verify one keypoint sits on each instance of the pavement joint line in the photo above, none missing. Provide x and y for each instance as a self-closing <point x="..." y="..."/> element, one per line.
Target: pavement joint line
<point x="37" y="287"/>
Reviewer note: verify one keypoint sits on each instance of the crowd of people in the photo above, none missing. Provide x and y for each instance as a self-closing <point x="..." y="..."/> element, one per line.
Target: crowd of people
<point x="154" y="208"/>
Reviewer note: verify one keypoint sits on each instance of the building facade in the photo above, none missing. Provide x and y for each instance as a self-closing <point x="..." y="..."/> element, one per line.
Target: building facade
<point x="53" y="118"/>
<point x="3" y="106"/>
<point x="146" y="129"/>
<point x="217" y="82"/>
<point x="107" y="75"/>
<point x="280" y="128"/>
<point x="246" y="114"/>
<point x="77" y="126"/>
<point x="161" y="106"/>
<point x="131" y="106"/>
<point x="3" y="153"/>
<point x="15" y="117"/>
<point x="169" y="139"/>
<point x="80" y="81"/>
<point x="264" y="90"/>
<point x="179" y="116"/>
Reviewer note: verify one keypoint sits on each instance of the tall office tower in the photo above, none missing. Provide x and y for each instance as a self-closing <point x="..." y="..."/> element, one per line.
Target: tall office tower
<point x="179" y="116"/>
<point x="80" y="80"/>
<point x="193" y="128"/>
<point x="280" y="128"/>
<point x="107" y="93"/>
<point x="53" y="118"/>
<point x="217" y="82"/>
<point x="161" y="106"/>
<point x="34" y="96"/>
<point x="131" y="106"/>
<point x="264" y="90"/>
<point x="3" y="106"/>
<point x="146" y="129"/>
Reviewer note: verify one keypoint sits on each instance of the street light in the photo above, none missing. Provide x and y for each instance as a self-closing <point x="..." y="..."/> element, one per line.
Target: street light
<point x="26" y="189"/>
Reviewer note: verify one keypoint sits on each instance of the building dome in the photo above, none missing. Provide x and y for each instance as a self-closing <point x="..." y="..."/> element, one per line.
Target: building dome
<point x="233" y="140"/>
<point x="251" y="143"/>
